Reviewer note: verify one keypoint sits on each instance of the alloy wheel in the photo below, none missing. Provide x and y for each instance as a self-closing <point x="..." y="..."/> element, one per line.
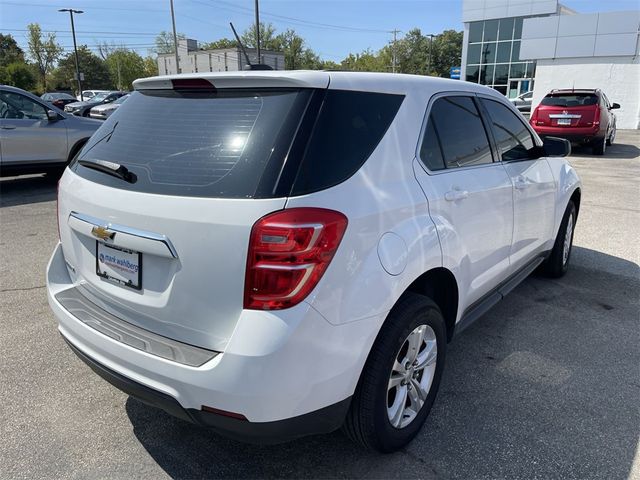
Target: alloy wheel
<point x="568" y="236"/>
<point x="411" y="376"/>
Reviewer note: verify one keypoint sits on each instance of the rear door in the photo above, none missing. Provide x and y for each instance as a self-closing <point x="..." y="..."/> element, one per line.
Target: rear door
<point x="166" y="249"/>
<point x="27" y="135"/>
<point x="470" y="196"/>
<point x="534" y="188"/>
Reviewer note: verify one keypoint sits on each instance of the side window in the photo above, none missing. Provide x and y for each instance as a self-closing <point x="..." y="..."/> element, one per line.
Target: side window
<point x="430" y="150"/>
<point x="16" y="106"/>
<point x="512" y="137"/>
<point x="461" y="133"/>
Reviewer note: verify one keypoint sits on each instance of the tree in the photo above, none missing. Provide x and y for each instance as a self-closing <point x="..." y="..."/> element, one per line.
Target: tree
<point x="164" y="42"/>
<point x="447" y="52"/>
<point x="222" y="43"/>
<point x="125" y="66"/>
<point x="10" y="52"/>
<point x="18" y="74"/>
<point x="268" y="39"/>
<point x="95" y="70"/>
<point x="367" y="61"/>
<point x="150" y="67"/>
<point x="43" y="51"/>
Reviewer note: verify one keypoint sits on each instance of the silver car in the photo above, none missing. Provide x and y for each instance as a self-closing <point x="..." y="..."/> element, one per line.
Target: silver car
<point x="37" y="137"/>
<point x="102" y="112"/>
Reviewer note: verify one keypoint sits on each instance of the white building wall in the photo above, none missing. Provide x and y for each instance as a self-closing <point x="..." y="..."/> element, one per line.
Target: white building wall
<point x="618" y="77"/>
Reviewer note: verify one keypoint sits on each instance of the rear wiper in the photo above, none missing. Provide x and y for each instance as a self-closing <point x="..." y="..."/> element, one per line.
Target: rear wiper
<point x="110" y="168"/>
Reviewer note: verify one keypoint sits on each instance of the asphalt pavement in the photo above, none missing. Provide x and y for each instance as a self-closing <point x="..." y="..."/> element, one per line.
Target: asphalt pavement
<point x="546" y="385"/>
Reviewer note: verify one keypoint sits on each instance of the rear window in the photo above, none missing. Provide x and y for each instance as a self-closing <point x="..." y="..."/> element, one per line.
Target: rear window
<point x="202" y="144"/>
<point x="238" y="143"/>
<point x="570" y="99"/>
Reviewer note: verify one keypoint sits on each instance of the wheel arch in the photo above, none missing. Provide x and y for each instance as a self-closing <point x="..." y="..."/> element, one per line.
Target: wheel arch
<point x="440" y="285"/>
<point x="575" y="198"/>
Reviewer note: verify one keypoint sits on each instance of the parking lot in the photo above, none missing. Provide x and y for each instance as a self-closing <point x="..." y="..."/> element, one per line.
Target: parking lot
<point x="546" y="385"/>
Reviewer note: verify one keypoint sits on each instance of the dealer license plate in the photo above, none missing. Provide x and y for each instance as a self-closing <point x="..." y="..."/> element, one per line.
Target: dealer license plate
<point x="119" y="265"/>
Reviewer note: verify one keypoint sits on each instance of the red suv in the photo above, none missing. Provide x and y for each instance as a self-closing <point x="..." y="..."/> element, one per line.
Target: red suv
<point x="583" y="117"/>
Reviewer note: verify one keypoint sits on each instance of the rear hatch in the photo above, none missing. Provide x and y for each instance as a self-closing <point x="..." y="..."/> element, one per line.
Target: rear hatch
<point x="156" y="213"/>
<point x="567" y="110"/>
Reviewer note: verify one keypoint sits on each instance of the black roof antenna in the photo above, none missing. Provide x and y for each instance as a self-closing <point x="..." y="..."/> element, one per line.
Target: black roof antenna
<point x="249" y="66"/>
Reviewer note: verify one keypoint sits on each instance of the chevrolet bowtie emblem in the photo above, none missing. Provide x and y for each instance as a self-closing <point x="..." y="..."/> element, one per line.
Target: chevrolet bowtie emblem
<point x="102" y="233"/>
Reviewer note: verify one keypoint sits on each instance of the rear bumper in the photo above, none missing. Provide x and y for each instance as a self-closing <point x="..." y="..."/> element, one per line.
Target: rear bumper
<point x="324" y="420"/>
<point x="576" y="135"/>
<point x="291" y="366"/>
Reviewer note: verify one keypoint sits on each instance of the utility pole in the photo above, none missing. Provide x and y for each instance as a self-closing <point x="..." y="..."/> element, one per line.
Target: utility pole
<point x="75" y="48"/>
<point x="394" y="57"/>
<point x="258" y="32"/>
<point x="175" y="37"/>
<point x="430" y="35"/>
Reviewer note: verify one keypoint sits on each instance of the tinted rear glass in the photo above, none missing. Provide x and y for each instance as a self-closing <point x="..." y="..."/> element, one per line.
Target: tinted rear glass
<point x="570" y="99"/>
<point x="193" y="144"/>
<point x="348" y="129"/>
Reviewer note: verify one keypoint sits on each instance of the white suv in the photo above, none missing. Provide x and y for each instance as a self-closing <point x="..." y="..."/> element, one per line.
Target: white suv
<point x="276" y="254"/>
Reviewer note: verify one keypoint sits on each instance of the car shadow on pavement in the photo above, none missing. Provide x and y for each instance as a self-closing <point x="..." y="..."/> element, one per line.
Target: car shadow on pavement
<point x="28" y="189"/>
<point x="544" y="385"/>
<point x="617" y="150"/>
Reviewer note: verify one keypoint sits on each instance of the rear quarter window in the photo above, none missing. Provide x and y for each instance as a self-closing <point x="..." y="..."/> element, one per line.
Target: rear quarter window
<point x="349" y="127"/>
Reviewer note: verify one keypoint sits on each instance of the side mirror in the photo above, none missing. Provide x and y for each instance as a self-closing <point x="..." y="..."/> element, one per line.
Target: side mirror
<point x="52" y="116"/>
<point x="614" y="106"/>
<point x="556" y="147"/>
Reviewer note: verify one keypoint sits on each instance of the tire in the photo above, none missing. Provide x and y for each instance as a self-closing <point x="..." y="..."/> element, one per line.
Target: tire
<point x="557" y="264"/>
<point x="612" y="137"/>
<point x="599" y="146"/>
<point x="368" y="421"/>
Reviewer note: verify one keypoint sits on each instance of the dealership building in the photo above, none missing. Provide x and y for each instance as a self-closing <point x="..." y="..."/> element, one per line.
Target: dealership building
<point x="515" y="46"/>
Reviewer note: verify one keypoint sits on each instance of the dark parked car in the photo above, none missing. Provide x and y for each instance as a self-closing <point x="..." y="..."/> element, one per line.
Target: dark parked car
<point x="82" y="109"/>
<point x="584" y="117"/>
<point x="58" y="99"/>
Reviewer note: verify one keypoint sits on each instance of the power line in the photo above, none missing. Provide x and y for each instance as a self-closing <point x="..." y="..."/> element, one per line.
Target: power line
<point x="50" y="5"/>
<point x="247" y="11"/>
<point x="83" y="31"/>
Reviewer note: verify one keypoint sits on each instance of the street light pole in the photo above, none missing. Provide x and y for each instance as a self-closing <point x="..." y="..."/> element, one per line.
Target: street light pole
<point x="75" y="48"/>
<point x="175" y="37"/>
<point x="258" y="32"/>
<point x="431" y="35"/>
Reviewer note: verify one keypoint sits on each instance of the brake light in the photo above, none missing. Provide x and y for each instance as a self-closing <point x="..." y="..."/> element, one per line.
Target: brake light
<point x="534" y="117"/>
<point x="289" y="251"/>
<point x="192" y="84"/>
<point x="596" y="117"/>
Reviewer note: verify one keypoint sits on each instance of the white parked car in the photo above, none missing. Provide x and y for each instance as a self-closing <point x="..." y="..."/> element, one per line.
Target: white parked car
<point x="276" y="254"/>
<point x="103" y="111"/>
<point x="89" y="94"/>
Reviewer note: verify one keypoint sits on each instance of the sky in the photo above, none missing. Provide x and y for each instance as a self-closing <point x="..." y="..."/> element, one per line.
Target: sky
<point x="332" y="28"/>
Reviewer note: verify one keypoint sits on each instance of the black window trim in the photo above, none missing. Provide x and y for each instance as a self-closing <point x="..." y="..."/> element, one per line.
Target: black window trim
<point x="423" y="129"/>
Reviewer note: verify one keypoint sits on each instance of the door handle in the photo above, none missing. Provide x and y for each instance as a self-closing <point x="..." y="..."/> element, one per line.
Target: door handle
<point x="455" y="194"/>
<point x="7" y="127"/>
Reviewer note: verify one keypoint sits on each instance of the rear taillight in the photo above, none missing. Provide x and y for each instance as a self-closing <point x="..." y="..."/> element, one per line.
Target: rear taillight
<point x="534" y="117"/>
<point x="596" y="116"/>
<point x="289" y="252"/>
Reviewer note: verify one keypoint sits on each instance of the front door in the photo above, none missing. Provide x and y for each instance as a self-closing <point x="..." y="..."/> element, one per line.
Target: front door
<point x="470" y="196"/>
<point x="534" y="189"/>
<point x="27" y="135"/>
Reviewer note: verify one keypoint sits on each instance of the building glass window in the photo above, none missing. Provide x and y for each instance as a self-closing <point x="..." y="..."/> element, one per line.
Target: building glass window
<point x="493" y="56"/>
<point x="473" y="53"/>
<point x="475" y="32"/>
<point x="490" y="31"/>
<point x="505" y="31"/>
